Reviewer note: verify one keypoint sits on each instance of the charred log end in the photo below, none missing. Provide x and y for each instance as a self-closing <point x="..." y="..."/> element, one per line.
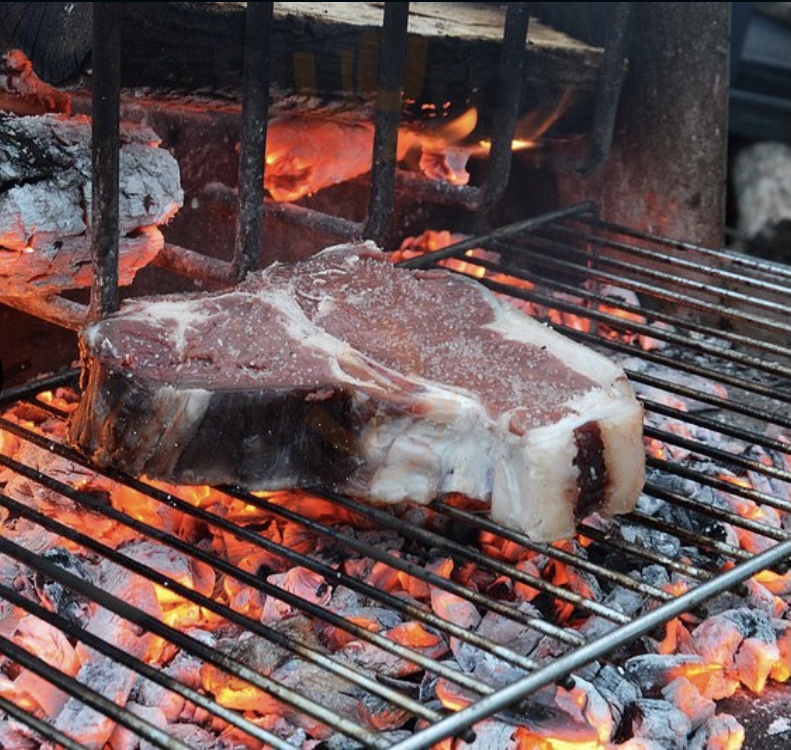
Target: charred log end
<point x="592" y="479"/>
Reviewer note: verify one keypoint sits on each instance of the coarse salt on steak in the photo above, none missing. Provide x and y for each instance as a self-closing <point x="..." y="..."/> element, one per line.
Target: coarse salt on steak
<point x="387" y="384"/>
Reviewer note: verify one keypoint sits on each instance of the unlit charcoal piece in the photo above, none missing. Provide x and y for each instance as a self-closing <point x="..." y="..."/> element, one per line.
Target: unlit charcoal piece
<point x="387" y="384"/>
<point x="613" y="685"/>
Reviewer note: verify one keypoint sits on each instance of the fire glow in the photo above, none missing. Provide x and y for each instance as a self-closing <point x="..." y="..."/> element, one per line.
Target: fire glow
<point x="308" y="151"/>
<point x="706" y="660"/>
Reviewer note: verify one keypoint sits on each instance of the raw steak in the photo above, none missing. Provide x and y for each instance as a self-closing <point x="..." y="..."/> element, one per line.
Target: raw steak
<point x="384" y="383"/>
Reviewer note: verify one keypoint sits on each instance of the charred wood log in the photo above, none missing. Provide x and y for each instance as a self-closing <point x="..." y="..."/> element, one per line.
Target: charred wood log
<point x="332" y="49"/>
<point x="45" y="202"/>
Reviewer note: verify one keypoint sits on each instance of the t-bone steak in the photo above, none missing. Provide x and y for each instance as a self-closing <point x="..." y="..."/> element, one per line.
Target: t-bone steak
<point x="386" y="384"/>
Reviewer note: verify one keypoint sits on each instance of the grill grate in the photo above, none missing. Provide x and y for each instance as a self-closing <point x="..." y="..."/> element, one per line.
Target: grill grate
<point x="715" y="398"/>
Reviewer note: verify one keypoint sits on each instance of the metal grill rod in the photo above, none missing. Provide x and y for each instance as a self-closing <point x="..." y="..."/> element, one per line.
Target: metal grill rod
<point x="87" y="695"/>
<point x="621" y="324"/>
<point x="761" y="498"/>
<point x="713" y="452"/>
<point x="430" y="539"/>
<point x="42" y="728"/>
<point x="367" y="550"/>
<point x="748" y="436"/>
<point x="720" y="274"/>
<point x="648" y="290"/>
<point x="745" y="262"/>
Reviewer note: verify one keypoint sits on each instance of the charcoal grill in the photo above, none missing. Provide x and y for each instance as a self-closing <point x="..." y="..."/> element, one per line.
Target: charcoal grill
<point x="720" y="320"/>
<point x="754" y="370"/>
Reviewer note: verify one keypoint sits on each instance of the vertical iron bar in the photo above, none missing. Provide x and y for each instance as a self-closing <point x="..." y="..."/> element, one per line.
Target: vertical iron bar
<point x="510" y="78"/>
<point x="105" y="157"/>
<point x="608" y="90"/>
<point x="390" y="85"/>
<point x="255" y="111"/>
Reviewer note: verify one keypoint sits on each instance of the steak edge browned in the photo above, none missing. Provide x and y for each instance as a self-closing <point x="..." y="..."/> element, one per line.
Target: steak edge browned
<point x="388" y="384"/>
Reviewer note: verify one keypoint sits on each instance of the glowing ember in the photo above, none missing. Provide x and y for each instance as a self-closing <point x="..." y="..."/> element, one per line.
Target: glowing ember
<point x="307" y="152"/>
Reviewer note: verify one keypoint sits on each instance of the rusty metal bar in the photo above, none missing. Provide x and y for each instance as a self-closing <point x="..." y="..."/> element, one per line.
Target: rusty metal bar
<point x="105" y="155"/>
<point x="255" y="112"/>
<point x="392" y="64"/>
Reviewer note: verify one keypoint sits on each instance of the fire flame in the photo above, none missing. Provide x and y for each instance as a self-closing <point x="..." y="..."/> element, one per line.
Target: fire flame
<point x="309" y="151"/>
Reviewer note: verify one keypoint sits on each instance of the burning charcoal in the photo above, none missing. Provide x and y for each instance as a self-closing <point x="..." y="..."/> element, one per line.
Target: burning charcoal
<point x="149" y="693"/>
<point x="592" y="707"/>
<point x="658" y="721"/>
<point x="88" y="726"/>
<point x="686" y="697"/>
<point x="492" y="670"/>
<point x="45" y="202"/>
<point x="61" y="599"/>
<point x="232" y="738"/>
<point x="782" y="669"/>
<point x="335" y="694"/>
<point x="256" y="652"/>
<point x="370" y="657"/>
<point x="261" y="655"/>
<point x="507" y="632"/>
<point x="349" y="603"/>
<point x="15" y="735"/>
<point x="51" y="645"/>
<point x="613" y="685"/>
<point x="489" y="734"/>
<point x="191" y="735"/>
<point x="183" y="668"/>
<point x="299" y="581"/>
<point x="652" y="672"/>
<point x="743" y="642"/>
<point x="124" y="739"/>
<point x="718" y="733"/>
<point x="641" y="743"/>
<point x="750" y="594"/>
<point x="187" y="571"/>
<point x="546" y="715"/>
<point x="454" y="609"/>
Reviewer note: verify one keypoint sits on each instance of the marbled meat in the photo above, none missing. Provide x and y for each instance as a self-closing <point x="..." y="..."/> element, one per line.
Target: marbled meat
<point x="387" y="384"/>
